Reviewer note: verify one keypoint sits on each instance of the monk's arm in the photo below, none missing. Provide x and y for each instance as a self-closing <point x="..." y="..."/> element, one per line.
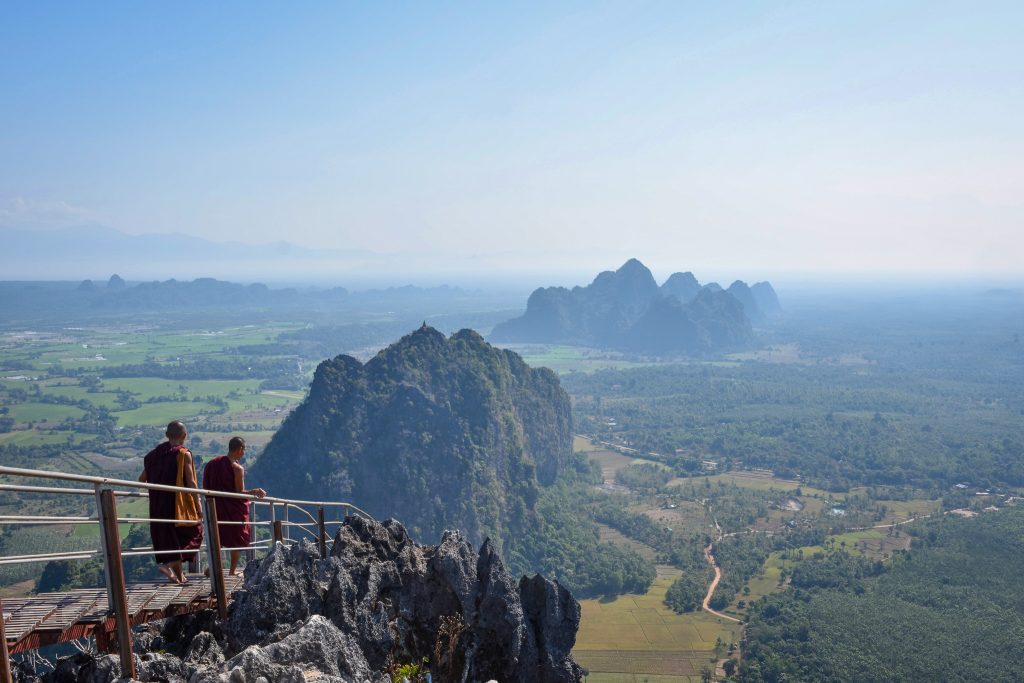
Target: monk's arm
<point x="142" y="477"/>
<point x="240" y="482"/>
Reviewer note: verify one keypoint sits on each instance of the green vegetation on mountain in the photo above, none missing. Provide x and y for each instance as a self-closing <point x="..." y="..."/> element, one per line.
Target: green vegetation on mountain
<point x="452" y="433"/>
<point x="564" y="543"/>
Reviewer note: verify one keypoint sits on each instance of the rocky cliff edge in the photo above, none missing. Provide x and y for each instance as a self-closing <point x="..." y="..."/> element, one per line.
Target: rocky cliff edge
<point x="377" y="603"/>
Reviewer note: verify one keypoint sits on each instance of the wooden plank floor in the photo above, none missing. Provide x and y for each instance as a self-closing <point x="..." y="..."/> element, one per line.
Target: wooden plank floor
<point x="49" y="618"/>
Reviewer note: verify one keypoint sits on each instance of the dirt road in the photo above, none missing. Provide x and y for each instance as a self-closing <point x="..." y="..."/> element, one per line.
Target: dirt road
<point x="714" y="584"/>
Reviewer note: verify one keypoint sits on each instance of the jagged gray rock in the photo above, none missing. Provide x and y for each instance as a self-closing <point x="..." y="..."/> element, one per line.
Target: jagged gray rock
<point x="203" y="652"/>
<point x="378" y="601"/>
<point x="391" y="600"/>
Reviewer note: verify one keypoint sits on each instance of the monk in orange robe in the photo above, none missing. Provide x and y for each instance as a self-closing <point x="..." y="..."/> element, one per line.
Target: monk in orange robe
<point x="171" y="541"/>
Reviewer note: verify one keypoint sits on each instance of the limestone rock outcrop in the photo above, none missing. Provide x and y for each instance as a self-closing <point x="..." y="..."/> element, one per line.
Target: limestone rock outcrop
<point x="377" y="602"/>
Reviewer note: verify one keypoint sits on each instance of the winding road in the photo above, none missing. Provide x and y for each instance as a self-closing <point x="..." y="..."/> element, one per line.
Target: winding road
<point x="714" y="584"/>
<point x="718" y="572"/>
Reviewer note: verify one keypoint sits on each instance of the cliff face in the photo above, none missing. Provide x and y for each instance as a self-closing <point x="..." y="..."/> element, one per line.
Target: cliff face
<point x="683" y="286"/>
<point x="443" y="433"/>
<point x="626" y="310"/>
<point x="766" y="298"/>
<point x="599" y="314"/>
<point x="379" y="601"/>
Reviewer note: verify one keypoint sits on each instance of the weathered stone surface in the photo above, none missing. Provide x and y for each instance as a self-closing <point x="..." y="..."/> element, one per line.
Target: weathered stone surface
<point x="204" y="651"/>
<point x="377" y="602"/>
<point x="553" y="616"/>
<point x="321" y="645"/>
<point x="154" y="666"/>
<point x="280" y="590"/>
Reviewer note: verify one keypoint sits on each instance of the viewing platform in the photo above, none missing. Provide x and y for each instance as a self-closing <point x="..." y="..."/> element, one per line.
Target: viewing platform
<point x="109" y="613"/>
<point x="50" y="618"/>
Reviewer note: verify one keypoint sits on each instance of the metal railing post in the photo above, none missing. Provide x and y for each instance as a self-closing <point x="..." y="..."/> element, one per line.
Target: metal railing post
<point x="115" y="580"/>
<point x="322" y="536"/>
<point x="275" y="526"/>
<point x="278" y="532"/>
<point x="5" y="662"/>
<point x="216" y="560"/>
<point x="117" y="622"/>
<point x="103" y="543"/>
<point x="250" y="554"/>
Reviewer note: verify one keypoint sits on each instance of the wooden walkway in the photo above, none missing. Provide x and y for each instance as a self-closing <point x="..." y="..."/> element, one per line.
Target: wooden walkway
<point x="49" y="618"/>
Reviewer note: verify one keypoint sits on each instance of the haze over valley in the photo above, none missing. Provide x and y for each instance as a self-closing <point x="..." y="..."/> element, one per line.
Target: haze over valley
<point x="608" y="342"/>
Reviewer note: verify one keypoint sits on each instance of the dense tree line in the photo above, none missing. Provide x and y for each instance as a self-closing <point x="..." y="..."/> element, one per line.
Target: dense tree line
<point x="835" y="426"/>
<point x="564" y="544"/>
<point x="61" y="575"/>
<point x="685" y="551"/>
<point x="949" y="609"/>
<point x="644" y="476"/>
<point x="207" y="368"/>
<point x="740" y="558"/>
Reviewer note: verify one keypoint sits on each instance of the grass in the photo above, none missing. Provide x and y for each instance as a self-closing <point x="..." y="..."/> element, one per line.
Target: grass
<point x="38" y="412"/>
<point x="563" y="359"/>
<point x="126" y="507"/>
<point x="260" y="439"/>
<point x="687" y="515"/>
<point x="32" y="437"/>
<point x="161" y="413"/>
<point x="901" y="510"/>
<point x="759" y="481"/>
<point x="636" y="637"/>
<point x="582" y="444"/>
<point x="610" y="535"/>
<point x="149" y="387"/>
<point x="77" y="393"/>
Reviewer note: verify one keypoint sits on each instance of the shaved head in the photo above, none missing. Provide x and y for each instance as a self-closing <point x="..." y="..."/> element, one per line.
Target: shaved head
<point x="175" y="430"/>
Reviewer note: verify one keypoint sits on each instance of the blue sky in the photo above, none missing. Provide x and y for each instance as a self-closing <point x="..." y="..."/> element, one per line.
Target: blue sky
<point x="748" y="138"/>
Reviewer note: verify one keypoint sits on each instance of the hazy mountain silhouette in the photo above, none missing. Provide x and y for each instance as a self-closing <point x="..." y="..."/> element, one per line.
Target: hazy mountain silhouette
<point x="48" y="253"/>
<point x="625" y="309"/>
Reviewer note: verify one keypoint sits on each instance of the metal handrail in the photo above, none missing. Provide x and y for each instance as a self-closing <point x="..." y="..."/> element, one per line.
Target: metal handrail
<point x="106" y="491"/>
<point x="108" y="481"/>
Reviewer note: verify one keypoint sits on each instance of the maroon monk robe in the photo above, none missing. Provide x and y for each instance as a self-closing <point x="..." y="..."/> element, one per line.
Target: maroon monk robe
<point x="169" y="540"/>
<point x="219" y="475"/>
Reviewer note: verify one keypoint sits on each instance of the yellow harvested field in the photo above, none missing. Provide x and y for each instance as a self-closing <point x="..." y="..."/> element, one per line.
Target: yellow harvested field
<point x="636" y="637"/>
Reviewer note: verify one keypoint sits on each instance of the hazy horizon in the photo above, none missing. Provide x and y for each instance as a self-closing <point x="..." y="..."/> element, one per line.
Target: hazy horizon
<point x="462" y="141"/>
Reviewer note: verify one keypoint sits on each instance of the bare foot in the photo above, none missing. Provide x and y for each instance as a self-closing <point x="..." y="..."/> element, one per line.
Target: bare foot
<point x="166" y="571"/>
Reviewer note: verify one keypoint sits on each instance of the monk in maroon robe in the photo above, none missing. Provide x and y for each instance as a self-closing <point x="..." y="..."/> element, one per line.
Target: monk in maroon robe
<point x="225" y="473"/>
<point x="172" y="542"/>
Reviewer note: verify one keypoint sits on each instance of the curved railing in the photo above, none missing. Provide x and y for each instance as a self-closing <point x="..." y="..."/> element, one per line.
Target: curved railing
<point x="281" y="516"/>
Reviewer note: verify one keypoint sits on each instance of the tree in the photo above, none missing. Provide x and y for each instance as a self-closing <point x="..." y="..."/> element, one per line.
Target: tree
<point x="729" y="666"/>
<point x="707" y="674"/>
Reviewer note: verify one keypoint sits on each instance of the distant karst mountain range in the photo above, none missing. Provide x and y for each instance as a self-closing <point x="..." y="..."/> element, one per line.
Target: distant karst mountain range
<point x="627" y="310"/>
